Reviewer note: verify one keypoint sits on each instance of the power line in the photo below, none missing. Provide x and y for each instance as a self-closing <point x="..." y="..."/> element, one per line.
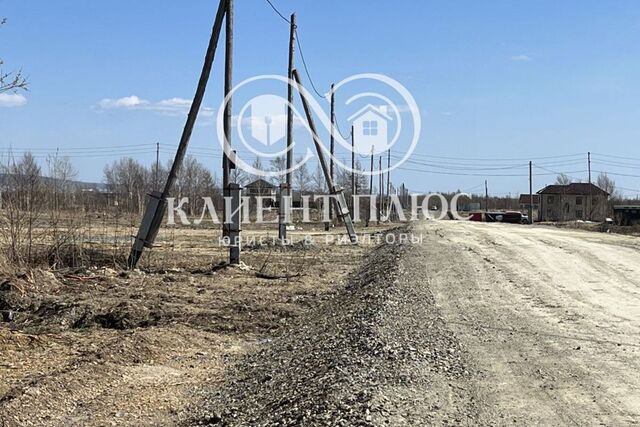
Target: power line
<point x="278" y="12"/>
<point x="306" y="68"/>
<point x="616" y="157"/>
<point x="496" y="159"/>
<point x="618" y="174"/>
<point x="77" y="149"/>
<point x="335" y="121"/>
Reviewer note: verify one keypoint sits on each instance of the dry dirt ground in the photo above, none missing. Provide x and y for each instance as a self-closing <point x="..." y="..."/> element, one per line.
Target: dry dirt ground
<point x="103" y="346"/>
<point x="480" y="324"/>
<point x="551" y="319"/>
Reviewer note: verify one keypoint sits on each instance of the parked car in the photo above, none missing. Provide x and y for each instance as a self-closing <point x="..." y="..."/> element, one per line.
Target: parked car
<point x="509" y="217"/>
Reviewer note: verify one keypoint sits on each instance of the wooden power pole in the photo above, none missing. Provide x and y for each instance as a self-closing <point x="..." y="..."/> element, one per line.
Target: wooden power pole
<point x="353" y="169"/>
<point x="155" y="179"/>
<point x="380" y="188"/>
<point x="157" y="204"/>
<point x="232" y="192"/>
<point x="531" y="192"/>
<point x="590" y="192"/>
<point x="331" y="151"/>
<point x="287" y="189"/>
<point x="334" y="190"/>
<point x="486" y="196"/>
<point x="388" y="199"/>
<point x="370" y="189"/>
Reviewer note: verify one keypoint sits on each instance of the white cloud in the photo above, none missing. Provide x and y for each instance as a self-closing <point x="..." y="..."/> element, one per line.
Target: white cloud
<point x="12" y="100"/>
<point x="126" y="102"/>
<point x="521" y="58"/>
<point x="168" y="107"/>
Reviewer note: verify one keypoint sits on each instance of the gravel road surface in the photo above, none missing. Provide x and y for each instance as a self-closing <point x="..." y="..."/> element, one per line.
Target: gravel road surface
<point x="480" y="324"/>
<point x="551" y="317"/>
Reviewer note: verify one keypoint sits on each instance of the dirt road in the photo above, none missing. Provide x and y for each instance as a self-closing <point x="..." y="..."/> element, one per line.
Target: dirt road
<point x="550" y="319"/>
<point x="480" y="324"/>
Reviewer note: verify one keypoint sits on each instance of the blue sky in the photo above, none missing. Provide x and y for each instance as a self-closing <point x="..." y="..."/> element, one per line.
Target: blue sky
<point x="493" y="80"/>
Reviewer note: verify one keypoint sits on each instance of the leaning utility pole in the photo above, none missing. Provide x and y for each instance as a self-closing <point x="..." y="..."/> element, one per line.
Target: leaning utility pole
<point x="331" y="151"/>
<point x="590" y="193"/>
<point x="231" y="226"/>
<point x="531" y="192"/>
<point x="157" y="204"/>
<point x="334" y="190"/>
<point x="287" y="189"/>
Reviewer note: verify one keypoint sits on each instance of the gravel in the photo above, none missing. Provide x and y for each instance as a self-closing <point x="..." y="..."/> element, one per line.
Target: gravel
<point x="377" y="352"/>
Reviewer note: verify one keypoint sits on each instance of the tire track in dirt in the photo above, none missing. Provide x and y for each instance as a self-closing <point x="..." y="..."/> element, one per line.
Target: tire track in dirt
<point x="553" y="351"/>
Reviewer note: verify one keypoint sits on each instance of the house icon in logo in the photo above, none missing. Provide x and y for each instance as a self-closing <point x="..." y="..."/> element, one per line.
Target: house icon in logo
<point x="370" y="129"/>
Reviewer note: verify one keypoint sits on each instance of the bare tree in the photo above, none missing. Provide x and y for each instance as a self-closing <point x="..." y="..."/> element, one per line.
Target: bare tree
<point x="126" y="178"/>
<point x="318" y="181"/>
<point x="302" y="177"/>
<point x="22" y="200"/>
<point x="61" y="173"/>
<point x="362" y="180"/>
<point x="563" y="179"/>
<point x="279" y="164"/>
<point x="11" y="81"/>
<point x="239" y="176"/>
<point x="609" y="185"/>
<point x="195" y="181"/>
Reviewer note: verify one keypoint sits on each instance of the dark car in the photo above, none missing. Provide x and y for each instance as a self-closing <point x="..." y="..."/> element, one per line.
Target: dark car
<point x="509" y="217"/>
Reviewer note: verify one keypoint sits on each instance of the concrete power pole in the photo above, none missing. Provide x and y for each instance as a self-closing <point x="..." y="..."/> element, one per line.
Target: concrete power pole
<point x="530" y="192"/>
<point x="287" y="189"/>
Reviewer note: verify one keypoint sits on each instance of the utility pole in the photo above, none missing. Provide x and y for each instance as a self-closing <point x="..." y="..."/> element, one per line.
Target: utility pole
<point x="380" y="189"/>
<point x="232" y="193"/>
<point x="155" y="179"/>
<point x="287" y="189"/>
<point x="486" y="196"/>
<point x="157" y="204"/>
<point x="388" y="182"/>
<point x="334" y="190"/>
<point x="531" y="192"/>
<point x="331" y="151"/>
<point x="590" y="193"/>
<point x="370" y="189"/>
<point x="353" y="169"/>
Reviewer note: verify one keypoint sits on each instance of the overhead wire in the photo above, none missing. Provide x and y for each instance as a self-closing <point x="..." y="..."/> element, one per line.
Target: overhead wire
<point x="275" y="9"/>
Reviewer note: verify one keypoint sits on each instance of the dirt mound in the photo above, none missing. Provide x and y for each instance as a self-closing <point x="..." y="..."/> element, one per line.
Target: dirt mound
<point x="333" y="365"/>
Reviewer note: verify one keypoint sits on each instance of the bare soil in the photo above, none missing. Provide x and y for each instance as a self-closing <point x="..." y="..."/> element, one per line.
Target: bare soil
<point x="103" y="346"/>
<point x="551" y="317"/>
<point x="480" y="324"/>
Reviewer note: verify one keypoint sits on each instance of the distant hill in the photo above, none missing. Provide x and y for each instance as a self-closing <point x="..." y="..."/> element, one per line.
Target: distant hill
<point x="75" y="185"/>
